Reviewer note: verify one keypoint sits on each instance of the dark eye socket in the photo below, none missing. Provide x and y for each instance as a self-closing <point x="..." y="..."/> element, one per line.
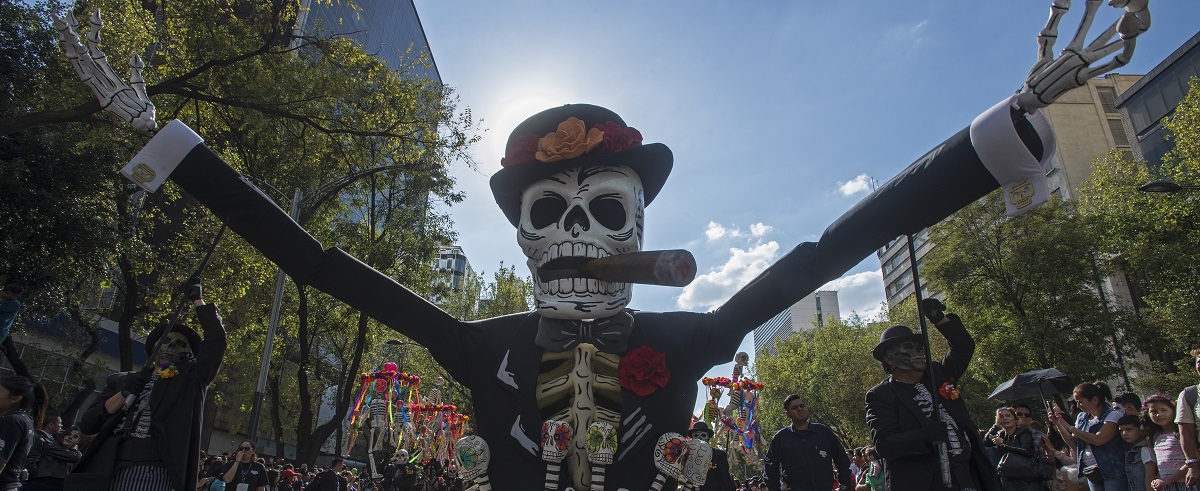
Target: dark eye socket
<point x="546" y="211"/>
<point x="609" y="211"/>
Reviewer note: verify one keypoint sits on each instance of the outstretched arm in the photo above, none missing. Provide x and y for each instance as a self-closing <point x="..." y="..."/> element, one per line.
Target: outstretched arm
<point x="1002" y="148"/>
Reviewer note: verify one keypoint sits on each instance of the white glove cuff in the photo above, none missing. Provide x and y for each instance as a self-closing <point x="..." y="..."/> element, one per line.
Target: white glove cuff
<point x="999" y="147"/>
<point x="151" y="166"/>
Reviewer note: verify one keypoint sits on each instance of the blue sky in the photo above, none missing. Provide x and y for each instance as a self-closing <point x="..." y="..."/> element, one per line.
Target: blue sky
<point x="777" y="112"/>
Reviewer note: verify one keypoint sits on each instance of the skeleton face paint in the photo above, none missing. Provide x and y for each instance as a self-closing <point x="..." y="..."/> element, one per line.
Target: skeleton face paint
<point x="582" y="212"/>
<point x="909" y="355"/>
<point x="175" y="348"/>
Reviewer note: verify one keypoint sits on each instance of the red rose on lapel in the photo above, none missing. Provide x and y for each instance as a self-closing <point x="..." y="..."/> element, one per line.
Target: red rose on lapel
<point x="643" y="371"/>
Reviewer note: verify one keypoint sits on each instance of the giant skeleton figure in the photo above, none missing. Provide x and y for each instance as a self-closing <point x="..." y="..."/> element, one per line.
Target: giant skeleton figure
<point x="580" y="192"/>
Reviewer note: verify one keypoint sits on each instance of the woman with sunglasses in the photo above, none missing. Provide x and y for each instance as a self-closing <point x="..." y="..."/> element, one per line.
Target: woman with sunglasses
<point x="1011" y="438"/>
<point x="244" y="473"/>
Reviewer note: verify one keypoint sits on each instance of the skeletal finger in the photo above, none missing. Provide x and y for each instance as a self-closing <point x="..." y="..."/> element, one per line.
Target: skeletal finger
<point x="135" y="77"/>
<point x="1048" y="36"/>
<point x="1085" y="24"/>
<point x="1104" y="38"/>
<point x="1133" y="23"/>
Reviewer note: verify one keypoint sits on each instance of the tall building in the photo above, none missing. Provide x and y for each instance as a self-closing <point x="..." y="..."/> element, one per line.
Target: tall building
<point x="1086" y="126"/>
<point x="387" y="28"/>
<point x="811" y="311"/>
<point x="452" y="262"/>
<point x="1147" y="103"/>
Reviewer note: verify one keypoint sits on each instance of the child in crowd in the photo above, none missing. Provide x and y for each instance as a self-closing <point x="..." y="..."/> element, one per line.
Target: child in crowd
<point x="1158" y="421"/>
<point x="1140" y="464"/>
<point x="1129" y="403"/>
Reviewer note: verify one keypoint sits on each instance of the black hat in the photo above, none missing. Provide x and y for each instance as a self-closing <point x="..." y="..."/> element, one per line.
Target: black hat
<point x="892" y="336"/>
<point x="192" y="337"/>
<point x="700" y="426"/>
<point x="589" y="135"/>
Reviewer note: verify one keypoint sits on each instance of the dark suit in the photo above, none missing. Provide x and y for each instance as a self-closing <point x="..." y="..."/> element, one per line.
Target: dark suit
<point x="895" y="421"/>
<point x="497" y="358"/>
<point x="176" y="406"/>
<point x="719" y="478"/>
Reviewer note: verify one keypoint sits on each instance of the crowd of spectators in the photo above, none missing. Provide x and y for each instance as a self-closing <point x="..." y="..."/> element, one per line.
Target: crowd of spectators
<point x="284" y="475"/>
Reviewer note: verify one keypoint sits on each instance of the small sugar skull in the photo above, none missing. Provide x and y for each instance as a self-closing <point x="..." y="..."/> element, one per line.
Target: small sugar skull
<point x="556" y="439"/>
<point x="669" y="454"/>
<point x="472" y="455"/>
<point x="601" y="443"/>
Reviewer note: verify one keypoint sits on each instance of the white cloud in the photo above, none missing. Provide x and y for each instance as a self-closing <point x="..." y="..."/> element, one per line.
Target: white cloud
<point x="859" y="293"/>
<point x="760" y="229"/>
<point x="859" y="184"/>
<point x="715" y="231"/>
<point x="715" y="287"/>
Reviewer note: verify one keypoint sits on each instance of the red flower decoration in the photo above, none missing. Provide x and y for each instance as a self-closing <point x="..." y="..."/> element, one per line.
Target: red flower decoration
<point x="616" y="138"/>
<point x="949" y="391"/>
<point x="520" y="151"/>
<point x="643" y="371"/>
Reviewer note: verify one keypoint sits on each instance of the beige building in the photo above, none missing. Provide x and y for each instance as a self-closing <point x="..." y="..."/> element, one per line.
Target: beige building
<point x="1086" y="125"/>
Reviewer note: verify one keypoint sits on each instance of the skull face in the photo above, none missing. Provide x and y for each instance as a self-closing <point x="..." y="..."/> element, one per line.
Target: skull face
<point x="909" y="355"/>
<point x="556" y="438"/>
<point x="472" y="455"/>
<point x="699" y="456"/>
<point x="601" y="443"/>
<point x="670" y="452"/>
<point x="581" y="212"/>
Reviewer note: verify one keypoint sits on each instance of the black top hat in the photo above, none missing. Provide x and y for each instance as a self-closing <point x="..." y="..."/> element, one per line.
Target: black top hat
<point x="699" y="426"/>
<point x="574" y="135"/>
<point x="892" y="336"/>
<point x="192" y="336"/>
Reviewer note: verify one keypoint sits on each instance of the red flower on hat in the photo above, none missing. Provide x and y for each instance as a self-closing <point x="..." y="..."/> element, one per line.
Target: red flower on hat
<point x="520" y="151"/>
<point x="617" y="138"/>
<point x="643" y="371"/>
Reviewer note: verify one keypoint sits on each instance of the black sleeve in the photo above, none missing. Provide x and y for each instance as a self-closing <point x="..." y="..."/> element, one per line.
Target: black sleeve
<point x="253" y="216"/>
<point x="93" y="419"/>
<point x="212" y="348"/>
<point x="11" y="436"/>
<point x="962" y="346"/>
<point x="944" y="180"/>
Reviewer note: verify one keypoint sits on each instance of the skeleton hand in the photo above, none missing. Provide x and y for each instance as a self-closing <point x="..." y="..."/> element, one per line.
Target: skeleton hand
<point x="129" y="102"/>
<point x="1050" y="78"/>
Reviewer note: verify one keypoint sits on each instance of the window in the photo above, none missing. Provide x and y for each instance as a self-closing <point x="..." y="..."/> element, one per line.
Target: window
<point x="1118" y="133"/>
<point x="1107" y="96"/>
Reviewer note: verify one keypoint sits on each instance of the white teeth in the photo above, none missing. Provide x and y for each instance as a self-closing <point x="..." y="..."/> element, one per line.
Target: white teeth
<point x="552" y="287"/>
<point x="554" y="251"/>
<point x="564" y="285"/>
<point x="580" y="250"/>
<point x="580" y="285"/>
<point x="592" y="286"/>
<point x="592" y="251"/>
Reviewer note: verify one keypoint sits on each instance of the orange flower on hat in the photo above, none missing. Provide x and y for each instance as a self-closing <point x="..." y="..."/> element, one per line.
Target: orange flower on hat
<point x="571" y="140"/>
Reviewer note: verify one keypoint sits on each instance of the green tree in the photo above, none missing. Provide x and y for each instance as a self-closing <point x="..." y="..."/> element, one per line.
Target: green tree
<point x="1027" y="289"/>
<point x="1153" y="238"/>
<point x="831" y="368"/>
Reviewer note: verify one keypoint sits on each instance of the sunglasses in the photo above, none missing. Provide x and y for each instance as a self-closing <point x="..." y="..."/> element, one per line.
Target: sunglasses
<point x="245" y="448"/>
<point x="1022" y="415"/>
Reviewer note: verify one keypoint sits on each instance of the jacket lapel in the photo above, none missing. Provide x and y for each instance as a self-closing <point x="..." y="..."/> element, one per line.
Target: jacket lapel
<point x="516" y="373"/>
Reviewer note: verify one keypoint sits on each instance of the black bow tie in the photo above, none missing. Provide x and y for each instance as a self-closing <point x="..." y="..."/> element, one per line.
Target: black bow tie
<point x="610" y="334"/>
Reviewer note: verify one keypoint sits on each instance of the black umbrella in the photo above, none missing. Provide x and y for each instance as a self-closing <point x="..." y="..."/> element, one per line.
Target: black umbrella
<point x="1037" y="383"/>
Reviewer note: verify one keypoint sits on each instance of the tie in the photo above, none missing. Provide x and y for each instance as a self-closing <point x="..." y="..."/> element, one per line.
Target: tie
<point x="610" y="334"/>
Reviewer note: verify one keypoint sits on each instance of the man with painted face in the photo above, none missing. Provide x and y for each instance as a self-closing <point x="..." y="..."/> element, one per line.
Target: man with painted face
<point x="154" y="442"/>
<point x="900" y="409"/>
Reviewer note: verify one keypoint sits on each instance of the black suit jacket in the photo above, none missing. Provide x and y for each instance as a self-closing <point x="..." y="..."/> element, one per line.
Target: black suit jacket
<point x="895" y="421"/>
<point x="176" y="413"/>
<point x="497" y="359"/>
